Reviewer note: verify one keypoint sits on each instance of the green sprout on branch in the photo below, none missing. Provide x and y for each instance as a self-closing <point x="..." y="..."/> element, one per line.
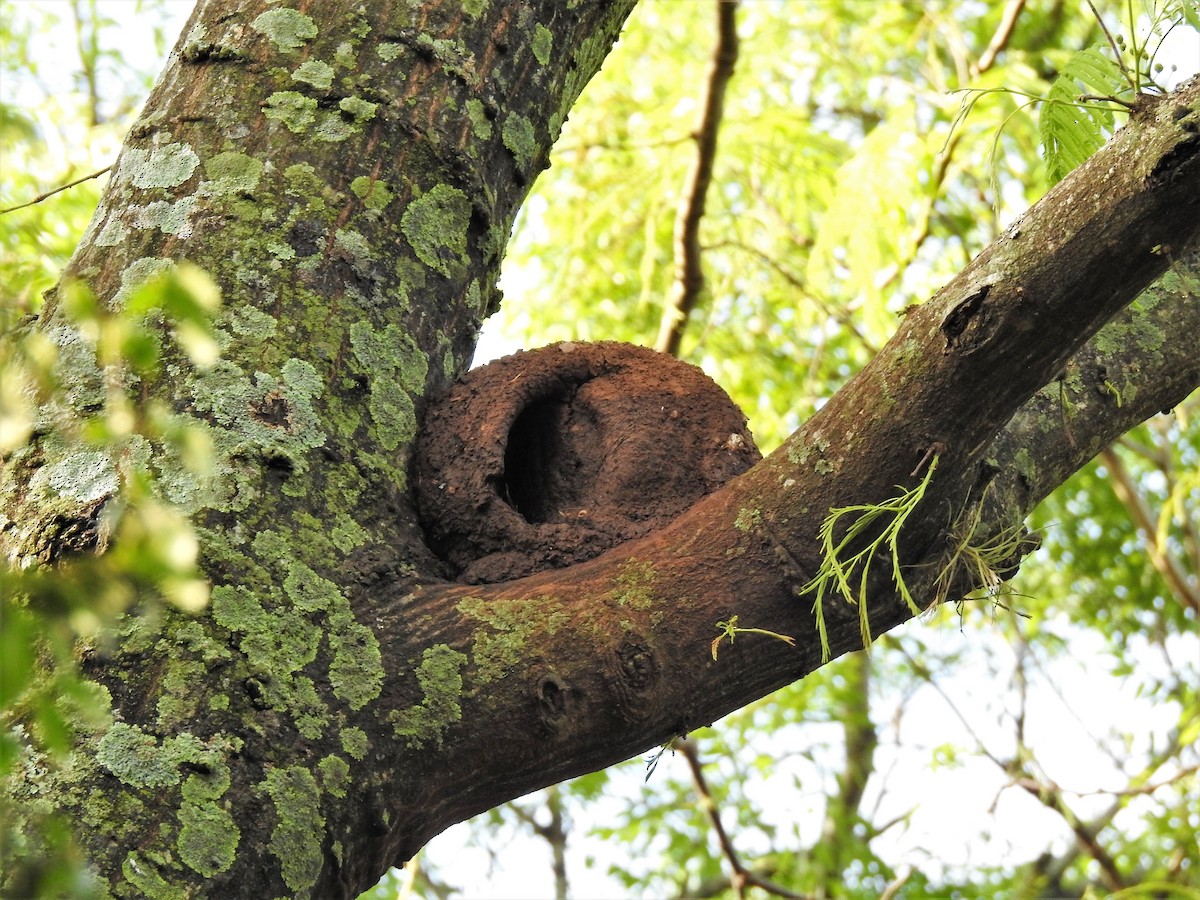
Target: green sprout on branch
<point x="841" y="572"/>
<point x="731" y="630"/>
<point x="983" y="563"/>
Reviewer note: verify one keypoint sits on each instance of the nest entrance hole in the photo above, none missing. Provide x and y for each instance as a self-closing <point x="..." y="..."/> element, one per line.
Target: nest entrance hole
<point x="550" y="459"/>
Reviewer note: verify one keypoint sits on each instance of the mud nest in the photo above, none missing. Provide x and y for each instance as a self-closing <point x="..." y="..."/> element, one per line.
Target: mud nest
<point x="550" y="457"/>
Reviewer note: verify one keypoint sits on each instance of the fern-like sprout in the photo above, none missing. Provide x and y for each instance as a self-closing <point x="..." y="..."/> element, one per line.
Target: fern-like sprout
<point x="848" y="575"/>
<point x="985" y="562"/>
<point x="730" y="630"/>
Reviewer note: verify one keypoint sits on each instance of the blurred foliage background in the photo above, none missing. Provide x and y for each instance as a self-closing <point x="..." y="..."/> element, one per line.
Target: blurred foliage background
<point x="974" y="752"/>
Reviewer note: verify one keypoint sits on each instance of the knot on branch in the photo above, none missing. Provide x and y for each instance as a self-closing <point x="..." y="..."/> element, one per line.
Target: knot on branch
<point x="550" y="457"/>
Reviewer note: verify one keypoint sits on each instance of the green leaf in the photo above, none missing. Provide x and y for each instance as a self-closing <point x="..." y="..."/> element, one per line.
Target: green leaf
<point x="1071" y="129"/>
<point x="1189" y="10"/>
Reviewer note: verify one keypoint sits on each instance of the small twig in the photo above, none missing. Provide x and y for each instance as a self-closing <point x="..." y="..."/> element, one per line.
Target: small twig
<point x="838" y="314"/>
<point x="900" y="880"/>
<point x="689" y="274"/>
<point x="1096" y="98"/>
<point x="1126" y="490"/>
<point x="40" y="197"/>
<point x="1132" y="80"/>
<point x="1139" y="790"/>
<point x="741" y="877"/>
<point x="731" y="630"/>
<point x="1107" y="34"/>
<point x="1004" y="32"/>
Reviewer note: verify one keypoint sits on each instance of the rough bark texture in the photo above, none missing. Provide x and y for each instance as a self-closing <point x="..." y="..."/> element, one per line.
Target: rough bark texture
<point x="349" y="173"/>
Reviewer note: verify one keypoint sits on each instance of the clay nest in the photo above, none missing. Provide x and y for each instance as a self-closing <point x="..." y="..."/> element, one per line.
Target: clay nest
<point x="550" y="457"/>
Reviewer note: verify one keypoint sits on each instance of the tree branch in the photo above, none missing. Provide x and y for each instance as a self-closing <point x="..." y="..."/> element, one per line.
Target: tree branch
<point x="1004" y="31"/>
<point x="626" y="677"/>
<point x="689" y="273"/>
<point x="740" y="877"/>
<point x="401" y="703"/>
<point x="50" y="193"/>
<point x="1147" y="352"/>
<point x="1160" y="557"/>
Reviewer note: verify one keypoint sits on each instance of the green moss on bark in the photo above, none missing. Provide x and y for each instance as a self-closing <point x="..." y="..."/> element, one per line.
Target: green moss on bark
<point x="208" y="836"/>
<point x="511" y="623"/>
<point x="440" y="678"/>
<point x="436" y="227"/>
<point x="299" y="828"/>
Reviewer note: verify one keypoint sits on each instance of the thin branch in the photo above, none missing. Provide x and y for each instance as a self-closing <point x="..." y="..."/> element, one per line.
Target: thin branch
<point x="1139" y="790"/>
<point x="741" y="877"/>
<point x="621" y="146"/>
<point x="1168" y="568"/>
<point x="689" y="274"/>
<point x="1112" y="43"/>
<point x="1048" y="793"/>
<point x="555" y="833"/>
<point x="839" y="315"/>
<point x="89" y="50"/>
<point x="1086" y="834"/>
<point x="1004" y="32"/>
<point x="40" y="197"/>
<point x="895" y="884"/>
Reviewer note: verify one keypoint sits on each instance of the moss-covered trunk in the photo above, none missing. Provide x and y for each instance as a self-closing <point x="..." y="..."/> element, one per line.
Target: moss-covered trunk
<point x="349" y="173"/>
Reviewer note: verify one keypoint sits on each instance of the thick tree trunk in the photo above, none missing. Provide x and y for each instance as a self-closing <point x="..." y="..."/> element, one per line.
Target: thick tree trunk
<point x="349" y="173"/>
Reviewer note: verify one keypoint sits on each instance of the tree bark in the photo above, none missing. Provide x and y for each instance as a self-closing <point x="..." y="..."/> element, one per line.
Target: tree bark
<point x="349" y="173"/>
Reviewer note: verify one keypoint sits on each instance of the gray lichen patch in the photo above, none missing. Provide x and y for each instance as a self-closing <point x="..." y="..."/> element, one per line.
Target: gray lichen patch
<point x="250" y="323"/>
<point x="231" y="173"/>
<point x="270" y="412"/>
<point x="136" y="274"/>
<point x="345" y="56"/>
<point x="315" y="73"/>
<point x="113" y="233"/>
<point x="83" y="476"/>
<point x="351" y="246"/>
<point x="288" y="29"/>
<point x="163" y="167"/>
<point x="77" y="369"/>
<point x="169" y="218"/>
<point x="296" y="111"/>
